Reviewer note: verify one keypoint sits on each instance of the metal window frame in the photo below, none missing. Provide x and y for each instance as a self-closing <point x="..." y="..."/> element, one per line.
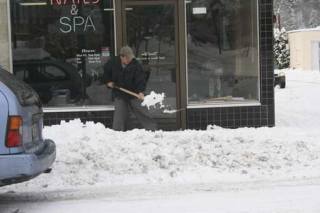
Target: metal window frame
<point x="216" y="104"/>
<point x="180" y="49"/>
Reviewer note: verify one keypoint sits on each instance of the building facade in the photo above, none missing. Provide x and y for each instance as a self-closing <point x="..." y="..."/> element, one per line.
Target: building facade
<point x="305" y="49"/>
<point x="212" y="58"/>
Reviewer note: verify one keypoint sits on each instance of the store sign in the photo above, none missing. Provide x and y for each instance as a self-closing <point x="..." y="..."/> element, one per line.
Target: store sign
<point x="76" y="23"/>
<point x="151" y="56"/>
<point x="90" y="55"/>
<point x="199" y="10"/>
<point x="75" y="2"/>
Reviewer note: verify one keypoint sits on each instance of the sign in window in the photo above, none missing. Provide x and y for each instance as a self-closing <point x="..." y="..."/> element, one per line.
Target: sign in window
<point x="60" y="47"/>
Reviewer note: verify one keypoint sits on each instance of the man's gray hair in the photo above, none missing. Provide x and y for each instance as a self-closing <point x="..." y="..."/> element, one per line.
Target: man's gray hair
<point x="127" y="51"/>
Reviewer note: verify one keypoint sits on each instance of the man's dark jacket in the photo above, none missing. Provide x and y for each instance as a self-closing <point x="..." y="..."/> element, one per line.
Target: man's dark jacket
<point x="132" y="77"/>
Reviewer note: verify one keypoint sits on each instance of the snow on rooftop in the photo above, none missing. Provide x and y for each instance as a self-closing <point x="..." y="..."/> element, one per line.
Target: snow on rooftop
<point x="306" y="30"/>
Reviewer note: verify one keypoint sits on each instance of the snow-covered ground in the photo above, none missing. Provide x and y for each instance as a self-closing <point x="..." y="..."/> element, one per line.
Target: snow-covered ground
<point x="218" y="170"/>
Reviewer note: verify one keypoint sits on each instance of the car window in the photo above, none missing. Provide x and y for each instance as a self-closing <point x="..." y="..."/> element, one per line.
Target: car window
<point x="40" y="74"/>
<point x="53" y="73"/>
<point x="27" y="73"/>
<point x="25" y="94"/>
<point x="21" y="73"/>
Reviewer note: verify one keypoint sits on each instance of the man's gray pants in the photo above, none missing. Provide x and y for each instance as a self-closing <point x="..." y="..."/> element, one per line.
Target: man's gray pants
<point x="121" y="114"/>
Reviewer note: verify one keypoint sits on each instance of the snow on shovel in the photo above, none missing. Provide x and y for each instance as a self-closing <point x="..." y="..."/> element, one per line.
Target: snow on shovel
<point x="150" y="100"/>
<point x="153" y="99"/>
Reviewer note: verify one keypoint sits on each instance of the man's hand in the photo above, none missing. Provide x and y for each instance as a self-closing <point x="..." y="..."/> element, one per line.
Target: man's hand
<point x="110" y="84"/>
<point x="141" y="96"/>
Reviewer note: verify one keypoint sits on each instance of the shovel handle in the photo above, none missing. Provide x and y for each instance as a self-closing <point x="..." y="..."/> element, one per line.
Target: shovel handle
<point x="128" y="92"/>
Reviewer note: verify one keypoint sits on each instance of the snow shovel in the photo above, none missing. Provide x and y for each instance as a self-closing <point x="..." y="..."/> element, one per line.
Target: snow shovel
<point x="128" y="92"/>
<point x="167" y="111"/>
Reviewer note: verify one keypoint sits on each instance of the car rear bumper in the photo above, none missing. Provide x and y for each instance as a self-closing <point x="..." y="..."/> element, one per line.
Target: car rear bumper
<point x="20" y="167"/>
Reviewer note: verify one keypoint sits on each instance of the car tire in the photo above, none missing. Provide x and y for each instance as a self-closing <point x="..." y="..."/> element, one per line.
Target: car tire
<point x="283" y="84"/>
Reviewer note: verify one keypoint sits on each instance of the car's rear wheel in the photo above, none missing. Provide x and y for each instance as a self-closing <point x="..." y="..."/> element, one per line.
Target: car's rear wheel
<point x="282" y="83"/>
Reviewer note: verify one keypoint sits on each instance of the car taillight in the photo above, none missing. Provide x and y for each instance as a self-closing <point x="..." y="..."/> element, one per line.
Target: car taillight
<point x="14" y="133"/>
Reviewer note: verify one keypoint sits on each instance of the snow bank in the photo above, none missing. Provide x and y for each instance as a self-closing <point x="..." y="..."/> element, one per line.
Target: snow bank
<point x="90" y="154"/>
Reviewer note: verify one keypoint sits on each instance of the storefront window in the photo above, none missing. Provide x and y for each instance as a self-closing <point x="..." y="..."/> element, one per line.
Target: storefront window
<point x="60" y="47"/>
<point x="223" y="56"/>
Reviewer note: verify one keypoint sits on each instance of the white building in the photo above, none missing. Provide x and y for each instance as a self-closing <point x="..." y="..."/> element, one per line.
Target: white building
<point x="305" y="49"/>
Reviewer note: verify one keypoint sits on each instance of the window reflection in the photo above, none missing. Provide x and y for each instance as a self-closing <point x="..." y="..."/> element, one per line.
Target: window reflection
<point x="223" y="61"/>
<point x="151" y="34"/>
<point x="60" y="47"/>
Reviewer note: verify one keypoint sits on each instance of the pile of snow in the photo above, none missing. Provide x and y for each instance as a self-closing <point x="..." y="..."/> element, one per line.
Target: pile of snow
<point x="90" y="154"/>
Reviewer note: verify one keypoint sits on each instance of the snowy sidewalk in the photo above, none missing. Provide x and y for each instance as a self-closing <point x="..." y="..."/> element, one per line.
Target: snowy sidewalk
<point x="91" y="157"/>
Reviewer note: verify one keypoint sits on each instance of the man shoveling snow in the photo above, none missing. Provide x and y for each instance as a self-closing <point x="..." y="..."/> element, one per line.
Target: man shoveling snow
<point x="126" y="77"/>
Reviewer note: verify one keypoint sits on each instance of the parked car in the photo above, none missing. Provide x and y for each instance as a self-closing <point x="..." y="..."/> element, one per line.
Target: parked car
<point x="24" y="153"/>
<point x="49" y="78"/>
<point x="280" y="79"/>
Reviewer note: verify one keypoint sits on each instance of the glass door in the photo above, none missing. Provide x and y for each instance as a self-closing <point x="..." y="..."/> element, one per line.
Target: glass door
<point x="149" y="27"/>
